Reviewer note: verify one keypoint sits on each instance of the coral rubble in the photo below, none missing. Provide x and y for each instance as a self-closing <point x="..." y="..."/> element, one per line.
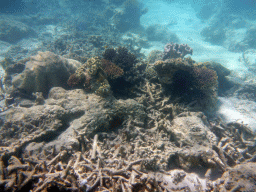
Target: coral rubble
<point x="83" y="137"/>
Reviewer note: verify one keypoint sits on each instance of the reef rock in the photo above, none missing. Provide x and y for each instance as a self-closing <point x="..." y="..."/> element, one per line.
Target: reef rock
<point x="64" y="116"/>
<point x="192" y="129"/>
<point x="240" y="178"/>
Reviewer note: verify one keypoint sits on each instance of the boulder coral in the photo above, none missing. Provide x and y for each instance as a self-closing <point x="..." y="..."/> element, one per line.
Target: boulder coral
<point x="183" y="79"/>
<point x="42" y="72"/>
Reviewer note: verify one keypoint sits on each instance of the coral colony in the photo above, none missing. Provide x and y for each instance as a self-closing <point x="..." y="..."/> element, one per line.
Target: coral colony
<point x="174" y="50"/>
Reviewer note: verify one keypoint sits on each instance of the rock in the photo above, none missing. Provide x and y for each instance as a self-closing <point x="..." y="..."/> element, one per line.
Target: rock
<point x="240" y="178"/>
<point x="64" y="115"/>
<point x="189" y="129"/>
<point x="178" y="180"/>
<point x="13" y="31"/>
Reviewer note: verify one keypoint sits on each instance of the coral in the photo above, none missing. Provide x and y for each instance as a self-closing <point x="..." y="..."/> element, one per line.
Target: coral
<point x="96" y="40"/>
<point x="71" y="143"/>
<point x="112" y="70"/>
<point x="93" y="76"/>
<point x="42" y="72"/>
<point x="184" y="79"/>
<point x="109" y="54"/>
<point x="75" y="80"/>
<point x="132" y="70"/>
<point x="154" y="56"/>
<point x="6" y="62"/>
<point x="204" y="78"/>
<point x="223" y="83"/>
<point x="121" y="57"/>
<point x="93" y="65"/>
<point x="174" y="50"/>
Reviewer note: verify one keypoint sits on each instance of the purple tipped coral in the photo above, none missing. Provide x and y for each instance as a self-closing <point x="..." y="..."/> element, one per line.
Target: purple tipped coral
<point x="174" y="50"/>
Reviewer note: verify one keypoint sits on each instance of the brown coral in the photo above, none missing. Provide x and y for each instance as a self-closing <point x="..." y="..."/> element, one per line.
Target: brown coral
<point x="111" y="70"/>
<point x="74" y="80"/>
<point x="205" y="78"/>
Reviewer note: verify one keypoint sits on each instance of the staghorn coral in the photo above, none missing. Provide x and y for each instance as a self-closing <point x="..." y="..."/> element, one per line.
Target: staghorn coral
<point x="143" y="154"/>
<point x="174" y="50"/>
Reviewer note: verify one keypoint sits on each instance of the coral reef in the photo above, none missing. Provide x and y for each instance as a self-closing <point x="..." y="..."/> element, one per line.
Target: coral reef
<point x="174" y="50"/>
<point x="205" y="78"/>
<point x="224" y="84"/>
<point x="111" y="69"/>
<point x="154" y="56"/>
<point x="121" y="57"/>
<point x="93" y="76"/>
<point x="131" y="67"/>
<point x="63" y="112"/>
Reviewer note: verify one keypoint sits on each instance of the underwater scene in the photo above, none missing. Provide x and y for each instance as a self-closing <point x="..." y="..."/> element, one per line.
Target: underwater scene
<point x="128" y="95"/>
